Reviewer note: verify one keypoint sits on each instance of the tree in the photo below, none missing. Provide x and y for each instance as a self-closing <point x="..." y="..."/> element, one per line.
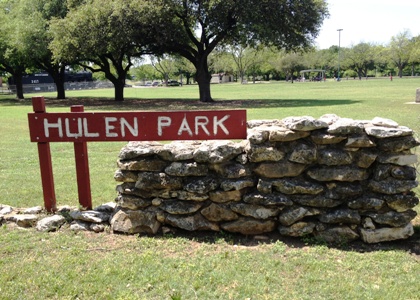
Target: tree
<point x="14" y="58"/>
<point x="102" y="36"/>
<point x="399" y="50"/>
<point x="360" y="58"/>
<point x="194" y="28"/>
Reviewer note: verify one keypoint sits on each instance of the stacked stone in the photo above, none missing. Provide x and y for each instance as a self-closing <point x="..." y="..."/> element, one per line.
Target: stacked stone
<point x="332" y="177"/>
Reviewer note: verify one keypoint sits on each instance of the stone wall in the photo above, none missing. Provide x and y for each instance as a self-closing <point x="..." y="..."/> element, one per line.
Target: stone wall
<point x="334" y="178"/>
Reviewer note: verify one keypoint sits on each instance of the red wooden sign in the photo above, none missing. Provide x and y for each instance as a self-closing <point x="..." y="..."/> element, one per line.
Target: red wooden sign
<point x="80" y="127"/>
<point x="137" y="126"/>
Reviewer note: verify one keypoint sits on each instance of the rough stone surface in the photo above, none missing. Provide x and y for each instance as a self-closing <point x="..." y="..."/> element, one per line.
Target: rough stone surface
<point x="372" y="236"/>
<point x="51" y="223"/>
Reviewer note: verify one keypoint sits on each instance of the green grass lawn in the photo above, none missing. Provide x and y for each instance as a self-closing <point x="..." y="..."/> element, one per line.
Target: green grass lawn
<point x="65" y="265"/>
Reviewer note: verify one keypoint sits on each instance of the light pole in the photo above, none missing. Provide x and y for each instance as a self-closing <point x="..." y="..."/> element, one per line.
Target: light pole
<point x="339" y="40"/>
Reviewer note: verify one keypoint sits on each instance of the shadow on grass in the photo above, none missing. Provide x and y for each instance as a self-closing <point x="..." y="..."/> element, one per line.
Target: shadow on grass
<point x="131" y="104"/>
<point x="410" y="245"/>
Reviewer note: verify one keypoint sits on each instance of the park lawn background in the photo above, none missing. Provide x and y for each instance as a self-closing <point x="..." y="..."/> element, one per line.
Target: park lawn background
<point x="65" y="265"/>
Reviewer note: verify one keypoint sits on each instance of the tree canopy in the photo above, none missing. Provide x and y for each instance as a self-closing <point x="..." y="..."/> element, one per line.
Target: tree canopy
<point x="194" y="28"/>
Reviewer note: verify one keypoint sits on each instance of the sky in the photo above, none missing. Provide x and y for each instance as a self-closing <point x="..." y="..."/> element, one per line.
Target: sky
<point x="370" y="21"/>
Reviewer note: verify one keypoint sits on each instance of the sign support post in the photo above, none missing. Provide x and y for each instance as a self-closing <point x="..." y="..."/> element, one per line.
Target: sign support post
<point x="82" y="168"/>
<point x="45" y="163"/>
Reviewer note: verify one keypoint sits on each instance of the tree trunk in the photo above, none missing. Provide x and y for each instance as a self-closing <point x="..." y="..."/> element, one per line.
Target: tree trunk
<point x="119" y="90"/>
<point x="19" y="85"/>
<point x="203" y="78"/>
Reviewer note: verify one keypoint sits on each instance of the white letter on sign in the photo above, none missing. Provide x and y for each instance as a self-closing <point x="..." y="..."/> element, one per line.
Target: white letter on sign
<point x="220" y="124"/>
<point x="86" y="131"/>
<point x="201" y="121"/>
<point x="109" y="127"/>
<point x="53" y="125"/>
<point x="185" y="127"/>
<point x="163" y="122"/>
<point x="134" y="130"/>
<point x="79" y="128"/>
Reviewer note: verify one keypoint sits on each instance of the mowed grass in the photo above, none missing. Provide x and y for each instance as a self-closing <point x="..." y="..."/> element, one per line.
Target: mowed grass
<point x="65" y="265"/>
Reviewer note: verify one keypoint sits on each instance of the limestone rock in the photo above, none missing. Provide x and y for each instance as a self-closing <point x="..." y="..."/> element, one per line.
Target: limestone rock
<point x="139" y="149"/>
<point x="249" y="226"/>
<point x="315" y="201"/>
<point x="325" y="138"/>
<point x="259" y="153"/>
<point x="283" y="134"/>
<point x="305" y="123"/>
<point x="217" y="151"/>
<point x="255" y="211"/>
<point x="262" y="123"/>
<point x="297" y="186"/>
<point x="191" y="223"/>
<point x="386" y="234"/>
<point x="359" y="141"/>
<point x="334" y="157"/>
<point x="329" y="118"/>
<point x="398" y="159"/>
<point x="189" y="196"/>
<point x="218" y="213"/>
<point x="106" y="207"/>
<point x="180" y="207"/>
<point x="341" y="216"/>
<point x="145" y="164"/>
<point x="231" y="170"/>
<point x="33" y="210"/>
<point x="157" y="181"/>
<point x="293" y="214"/>
<point x="297" y="229"/>
<point x="90" y="216"/>
<point x="132" y="202"/>
<point x="387" y="132"/>
<point x="303" y="153"/>
<point x="78" y="225"/>
<point x="365" y="159"/>
<point x="384" y="171"/>
<point x="346" y="126"/>
<point x="279" y="169"/>
<point x="343" y="190"/>
<point x="378" y="121"/>
<point x="258" y="135"/>
<point x="229" y="185"/>
<point x="341" y="173"/>
<point x="401" y="202"/>
<point x="179" y="150"/>
<point x="135" y="221"/>
<point x="51" y="223"/>
<point x="186" y="169"/>
<point x="24" y="220"/>
<point x="397" y="144"/>
<point x="125" y="176"/>
<point x="225" y="196"/>
<point x="394" y="219"/>
<point x="337" y="234"/>
<point x="390" y="186"/>
<point x="365" y="203"/>
<point x="201" y="185"/>
<point x="268" y="199"/>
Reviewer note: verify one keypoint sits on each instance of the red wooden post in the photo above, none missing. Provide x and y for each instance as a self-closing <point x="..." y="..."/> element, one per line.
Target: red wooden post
<point x="82" y="168"/>
<point x="45" y="163"/>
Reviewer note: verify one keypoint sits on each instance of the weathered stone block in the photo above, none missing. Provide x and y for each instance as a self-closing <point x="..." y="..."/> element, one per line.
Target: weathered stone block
<point x="340" y="173"/>
<point x="386" y="234"/>
<point x="297" y="229"/>
<point x="218" y="213"/>
<point x="279" y="169"/>
<point x="249" y="226"/>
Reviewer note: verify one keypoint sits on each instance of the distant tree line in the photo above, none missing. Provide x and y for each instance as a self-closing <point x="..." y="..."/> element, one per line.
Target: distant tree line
<point x="192" y="38"/>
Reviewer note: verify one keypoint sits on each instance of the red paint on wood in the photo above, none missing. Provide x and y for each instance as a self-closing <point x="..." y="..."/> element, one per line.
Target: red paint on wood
<point x="82" y="168"/>
<point x="137" y="126"/>
<point x="45" y="163"/>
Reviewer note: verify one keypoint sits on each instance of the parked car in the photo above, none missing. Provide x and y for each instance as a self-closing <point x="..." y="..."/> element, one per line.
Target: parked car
<point x="174" y="83"/>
